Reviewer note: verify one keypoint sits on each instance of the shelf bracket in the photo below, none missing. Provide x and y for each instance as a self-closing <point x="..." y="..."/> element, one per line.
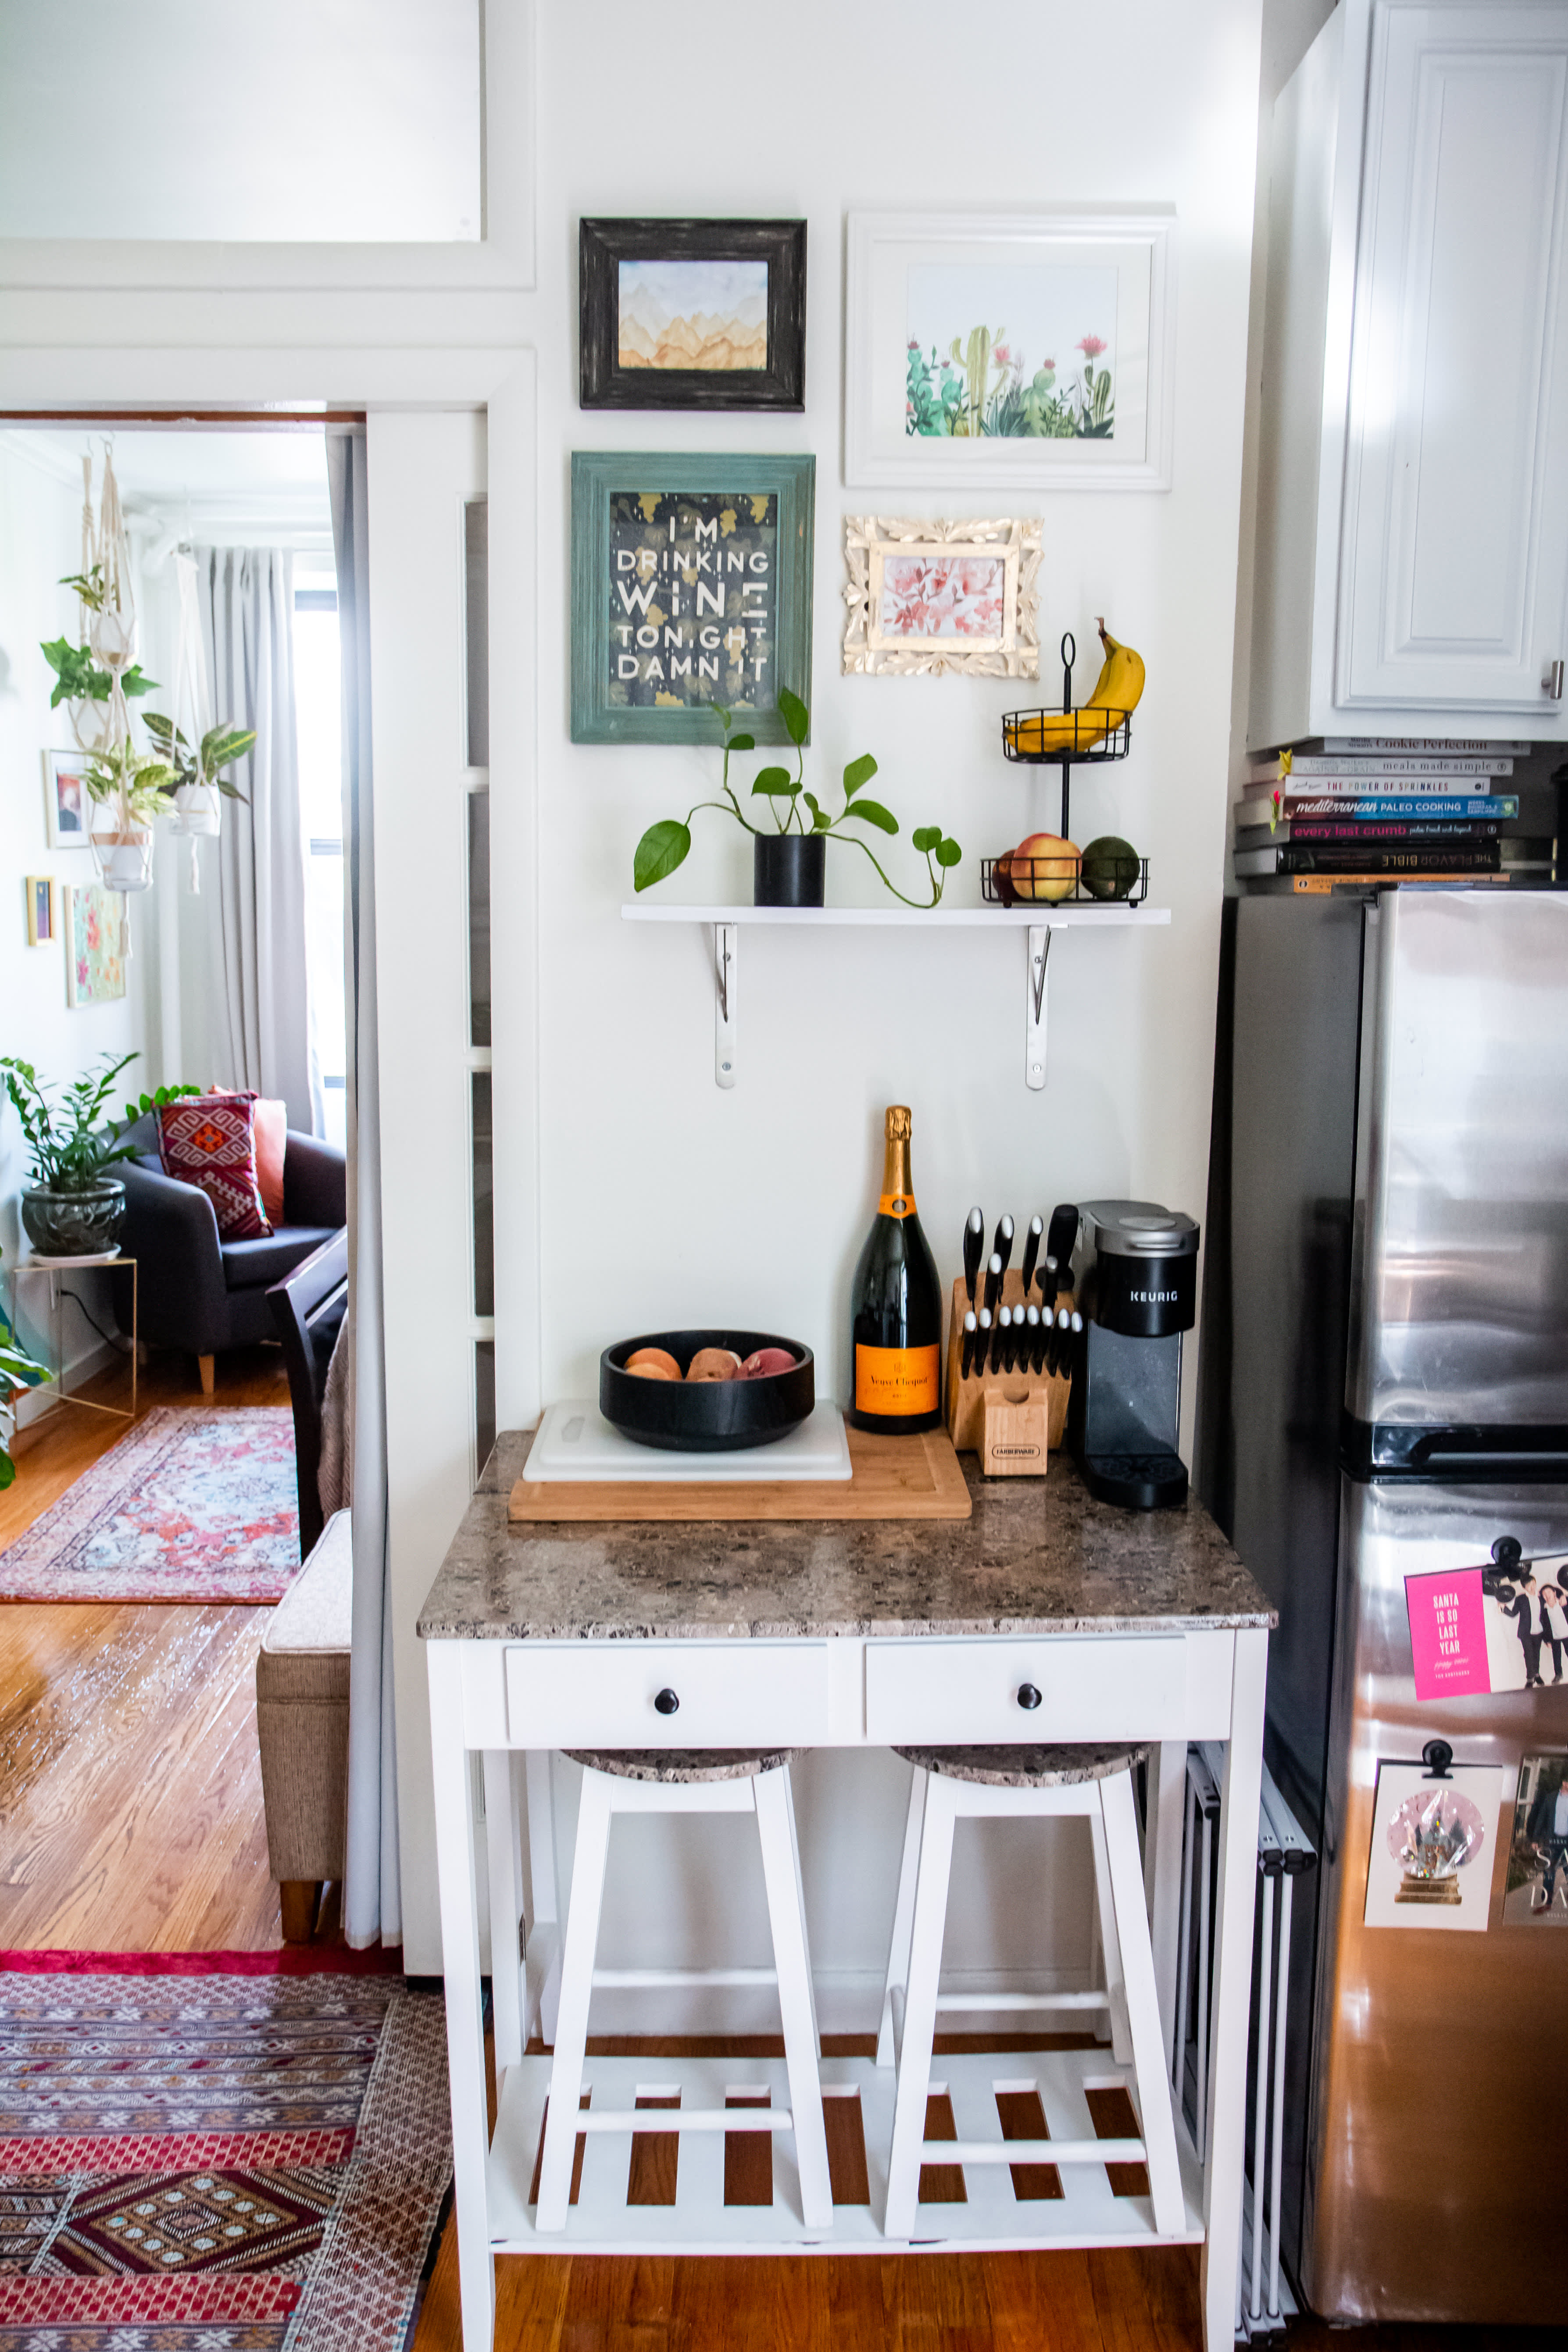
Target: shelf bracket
<point x="725" y="957"/>
<point x="1035" y="1005"/>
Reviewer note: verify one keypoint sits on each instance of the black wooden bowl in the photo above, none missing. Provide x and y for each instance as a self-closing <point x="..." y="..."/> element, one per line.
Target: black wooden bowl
<point x="706" y="1416"/>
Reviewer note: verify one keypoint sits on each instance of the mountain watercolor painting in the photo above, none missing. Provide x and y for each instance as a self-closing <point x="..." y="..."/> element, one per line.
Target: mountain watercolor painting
<point x="693" y="314"/>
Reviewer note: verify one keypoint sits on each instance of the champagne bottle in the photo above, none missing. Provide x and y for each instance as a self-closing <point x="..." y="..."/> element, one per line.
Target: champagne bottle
<point x="895" y="1309"/>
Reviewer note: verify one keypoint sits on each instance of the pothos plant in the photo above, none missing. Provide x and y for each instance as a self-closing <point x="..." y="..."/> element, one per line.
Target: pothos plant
<point x="666" y="846"/>
<point x="77" y="677"/>
<point x="71" y="1152"/>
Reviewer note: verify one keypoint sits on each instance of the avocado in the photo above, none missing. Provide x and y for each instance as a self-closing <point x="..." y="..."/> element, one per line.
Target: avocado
<point x="1110" y="868"/>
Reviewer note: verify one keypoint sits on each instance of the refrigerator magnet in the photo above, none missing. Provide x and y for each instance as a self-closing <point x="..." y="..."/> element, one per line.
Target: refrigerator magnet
<point x="1496" y="1627"/>
<point x="1536" y="1894"/>
<point x="1431" y="1859"/>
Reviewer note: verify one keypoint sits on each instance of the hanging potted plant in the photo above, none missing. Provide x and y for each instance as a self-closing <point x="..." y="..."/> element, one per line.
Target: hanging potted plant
<point x="789" y="857"/>
<point x="127" y="789"/>
<point x="197" y="776"/>
<point x="73" y="1207"/>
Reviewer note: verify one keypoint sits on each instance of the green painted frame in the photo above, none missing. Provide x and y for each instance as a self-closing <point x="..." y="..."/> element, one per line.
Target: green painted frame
<point x="595" y="474"/>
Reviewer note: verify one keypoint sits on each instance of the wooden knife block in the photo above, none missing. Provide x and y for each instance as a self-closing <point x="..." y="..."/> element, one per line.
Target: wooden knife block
<point x="1003" y="1416"/>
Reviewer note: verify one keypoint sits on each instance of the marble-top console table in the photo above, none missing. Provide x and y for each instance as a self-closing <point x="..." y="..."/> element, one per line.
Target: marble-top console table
<point x="1137" y="1627"/>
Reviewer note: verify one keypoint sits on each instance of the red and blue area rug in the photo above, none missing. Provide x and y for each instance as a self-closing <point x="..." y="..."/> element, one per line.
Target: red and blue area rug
<point x="208" y="2158"/>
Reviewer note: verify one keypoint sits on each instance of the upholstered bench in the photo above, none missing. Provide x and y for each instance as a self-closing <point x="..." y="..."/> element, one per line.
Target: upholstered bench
<point x="302" y="1724"/>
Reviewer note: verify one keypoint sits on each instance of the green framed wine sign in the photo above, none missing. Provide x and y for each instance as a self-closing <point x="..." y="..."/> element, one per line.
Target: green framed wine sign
<point x="690" y="585"/>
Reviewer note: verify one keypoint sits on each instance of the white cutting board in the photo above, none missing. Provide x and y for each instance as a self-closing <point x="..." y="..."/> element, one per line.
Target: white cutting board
<point x="576" y="1442"/>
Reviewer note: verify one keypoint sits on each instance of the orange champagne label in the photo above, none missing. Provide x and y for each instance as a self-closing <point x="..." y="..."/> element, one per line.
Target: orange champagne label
<point x="895" y="1204"/>
<point x="897" y="1379"/>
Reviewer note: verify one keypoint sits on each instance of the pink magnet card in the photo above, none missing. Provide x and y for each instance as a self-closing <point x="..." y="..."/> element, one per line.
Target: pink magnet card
<point x="1448" y="1633"/>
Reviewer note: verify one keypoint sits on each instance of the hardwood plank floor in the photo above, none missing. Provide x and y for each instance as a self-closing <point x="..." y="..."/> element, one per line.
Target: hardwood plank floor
<point x="131" y="1815"/>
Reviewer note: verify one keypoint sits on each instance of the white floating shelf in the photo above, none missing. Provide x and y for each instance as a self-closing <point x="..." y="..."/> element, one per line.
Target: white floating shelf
<point x="1038" y="921"/>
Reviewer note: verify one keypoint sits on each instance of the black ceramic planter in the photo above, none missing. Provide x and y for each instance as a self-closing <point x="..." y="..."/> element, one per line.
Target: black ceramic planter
<point x="788" y="870"/>
<point x="706" y="1416"/>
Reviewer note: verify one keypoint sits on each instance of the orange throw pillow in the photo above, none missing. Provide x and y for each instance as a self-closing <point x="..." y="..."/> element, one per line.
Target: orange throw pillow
<point x="271" y="1141"/>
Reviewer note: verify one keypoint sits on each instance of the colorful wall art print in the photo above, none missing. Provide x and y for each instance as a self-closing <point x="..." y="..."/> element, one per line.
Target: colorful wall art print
<point x="691" y="586"/>
<point x="1537" y="1889"/>
<point x="95" y="944"/>
<point x="1488" y="1628"/>
<point x="1008" y="349"/>
<point x="926" y="596"/>
<point x="691" y="313"/>
<point x="1432" y="1852"/>
<point x="66" y="808"/>
<point x="1045" y="371"/>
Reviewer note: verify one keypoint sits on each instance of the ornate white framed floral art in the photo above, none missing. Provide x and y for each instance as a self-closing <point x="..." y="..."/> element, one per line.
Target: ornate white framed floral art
<point x="925" y="597"/>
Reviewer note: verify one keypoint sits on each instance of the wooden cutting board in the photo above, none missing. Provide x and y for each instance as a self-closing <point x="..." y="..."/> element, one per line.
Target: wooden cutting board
<point x="894" y="1478"/>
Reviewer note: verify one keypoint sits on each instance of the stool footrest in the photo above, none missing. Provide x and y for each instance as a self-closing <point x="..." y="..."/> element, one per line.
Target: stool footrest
<point x="677" y="2119"/>
<point x="1033" y="2151"/>
<point x="621" y="1978"/>
<point x="1022" y="2001"/>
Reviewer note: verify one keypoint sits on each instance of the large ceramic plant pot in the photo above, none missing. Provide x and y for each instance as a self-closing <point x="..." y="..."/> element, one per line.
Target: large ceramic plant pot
<point x="74" y="1225"/>
<point x="124" y="854"/>
<point x="788" y="870"/>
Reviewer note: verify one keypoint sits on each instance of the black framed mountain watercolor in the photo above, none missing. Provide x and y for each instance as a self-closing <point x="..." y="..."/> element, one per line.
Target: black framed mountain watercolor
<point x="692" y="314"/>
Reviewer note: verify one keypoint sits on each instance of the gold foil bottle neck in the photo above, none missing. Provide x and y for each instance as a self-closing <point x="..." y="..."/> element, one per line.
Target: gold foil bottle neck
<point x="898" y="1125"/>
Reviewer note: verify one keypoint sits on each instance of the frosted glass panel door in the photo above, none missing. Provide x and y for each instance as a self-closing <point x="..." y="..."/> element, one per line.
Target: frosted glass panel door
<point x="353" y="122"/>
<point x="1455" y="552"/>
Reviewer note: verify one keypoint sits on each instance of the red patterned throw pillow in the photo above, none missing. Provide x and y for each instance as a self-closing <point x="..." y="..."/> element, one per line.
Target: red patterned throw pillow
<point x="209" y="1140"/>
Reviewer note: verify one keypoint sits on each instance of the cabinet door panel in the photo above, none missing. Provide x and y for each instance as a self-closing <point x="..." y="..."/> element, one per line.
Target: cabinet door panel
<point x="1454" y="544"/>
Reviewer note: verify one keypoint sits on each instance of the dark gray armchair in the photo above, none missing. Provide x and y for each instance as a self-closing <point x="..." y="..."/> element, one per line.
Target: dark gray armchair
<point x="202" y="1294"/>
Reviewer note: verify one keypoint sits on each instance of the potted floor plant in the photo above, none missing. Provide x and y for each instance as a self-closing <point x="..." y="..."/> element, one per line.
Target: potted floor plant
<point x="789" y="855"/>
<point x="17" y="1372"/>
<point x="74" y="1207"/>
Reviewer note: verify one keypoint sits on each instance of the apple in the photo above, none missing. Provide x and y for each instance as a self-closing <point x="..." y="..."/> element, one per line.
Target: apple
<point x="765" y="1362"/>
<point x="1045" y="866"/>
<point x="714" y="1364"/>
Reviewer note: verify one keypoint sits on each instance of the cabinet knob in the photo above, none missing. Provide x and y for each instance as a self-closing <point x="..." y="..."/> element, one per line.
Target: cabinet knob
<point x="666" y="1701"/>
<point x="1028" y="1697"/>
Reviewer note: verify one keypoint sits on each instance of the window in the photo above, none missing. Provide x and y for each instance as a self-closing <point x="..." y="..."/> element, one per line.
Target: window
<point x="318" y="726"/>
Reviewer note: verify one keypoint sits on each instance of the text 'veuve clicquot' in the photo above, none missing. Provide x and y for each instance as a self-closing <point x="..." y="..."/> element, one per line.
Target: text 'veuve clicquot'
<point x="895" y="1309"/>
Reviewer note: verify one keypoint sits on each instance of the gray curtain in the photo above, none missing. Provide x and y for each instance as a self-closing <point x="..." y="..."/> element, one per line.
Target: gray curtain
<point x="373" y="1897"/>
<point x="259" y="1010"/>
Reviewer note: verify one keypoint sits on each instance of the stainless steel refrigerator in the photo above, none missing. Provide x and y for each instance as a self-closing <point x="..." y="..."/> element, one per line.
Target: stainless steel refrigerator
<point x="1383" y="1393"/>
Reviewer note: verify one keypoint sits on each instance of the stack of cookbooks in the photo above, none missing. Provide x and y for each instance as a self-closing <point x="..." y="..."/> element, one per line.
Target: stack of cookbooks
<point x="1370" y="808"/>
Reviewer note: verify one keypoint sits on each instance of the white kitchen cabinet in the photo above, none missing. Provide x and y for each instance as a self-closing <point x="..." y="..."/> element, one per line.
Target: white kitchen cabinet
<point x="1412" y="571"/>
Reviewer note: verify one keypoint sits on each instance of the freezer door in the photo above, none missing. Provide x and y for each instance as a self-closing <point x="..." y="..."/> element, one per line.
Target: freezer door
<point x="1460" y="1309"/>
<point x="1435" y="2119"/>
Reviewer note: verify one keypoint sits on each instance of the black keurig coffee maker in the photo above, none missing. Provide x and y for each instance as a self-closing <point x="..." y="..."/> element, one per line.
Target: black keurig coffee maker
<point x="1135" y="1275"/>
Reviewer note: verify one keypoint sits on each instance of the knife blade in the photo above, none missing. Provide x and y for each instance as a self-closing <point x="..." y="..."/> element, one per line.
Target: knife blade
<point x="974" y="1249"/>
<point x="1031" y="1251"/>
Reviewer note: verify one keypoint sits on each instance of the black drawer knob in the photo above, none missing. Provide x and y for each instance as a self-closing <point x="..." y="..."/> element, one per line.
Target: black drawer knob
<point x="666" y="1701"/>
<point x="1028" y="1697"/>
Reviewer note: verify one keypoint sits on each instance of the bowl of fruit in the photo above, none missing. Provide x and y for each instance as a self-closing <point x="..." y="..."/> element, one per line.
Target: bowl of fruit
<point x="707" y="1392"/>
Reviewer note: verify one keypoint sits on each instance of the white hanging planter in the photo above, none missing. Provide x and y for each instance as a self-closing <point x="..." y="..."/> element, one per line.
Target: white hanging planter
<point x="197" y="811"/>
<point x="124" y="854"/>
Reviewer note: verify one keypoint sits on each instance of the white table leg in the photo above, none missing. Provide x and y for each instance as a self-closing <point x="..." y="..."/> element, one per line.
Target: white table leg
<point x="797" y="2004"/>
<point x="1109" y="1941"/>
<point x="1140" y="2002"/>
<point x="460" y="1965"/>
<point x="919" y="2008"/>
<point x="1234" y="1901"/>
<point x="541" y="1997"/>
<point x="889" y="2033"/>
<point x="502" y="1857"/>
<point x="593" y="1813"/>
<point x="1162" y="1872"/>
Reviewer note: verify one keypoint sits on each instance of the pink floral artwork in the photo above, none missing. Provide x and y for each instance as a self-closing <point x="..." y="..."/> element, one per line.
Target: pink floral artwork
<point x="942" y="596"/>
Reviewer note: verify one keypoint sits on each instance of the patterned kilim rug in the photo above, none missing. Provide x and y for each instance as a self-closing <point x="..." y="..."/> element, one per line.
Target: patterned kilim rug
<point x="194" y="1504"/>
<point x="217" y="2163"/>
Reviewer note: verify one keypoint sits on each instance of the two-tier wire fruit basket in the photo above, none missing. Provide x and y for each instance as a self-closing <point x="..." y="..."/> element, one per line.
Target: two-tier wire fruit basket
<point x="1066" y="738"/>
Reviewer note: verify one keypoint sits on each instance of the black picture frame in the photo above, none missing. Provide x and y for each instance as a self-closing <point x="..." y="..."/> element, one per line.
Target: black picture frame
<point x="603" y="245"/>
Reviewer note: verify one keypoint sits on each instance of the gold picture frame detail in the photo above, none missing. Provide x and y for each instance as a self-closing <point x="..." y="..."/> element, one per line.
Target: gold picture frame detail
<point x="921" y="594"/>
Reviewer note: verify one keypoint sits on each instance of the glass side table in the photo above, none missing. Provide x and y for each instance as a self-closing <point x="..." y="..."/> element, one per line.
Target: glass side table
<point x="55" y="1267"/>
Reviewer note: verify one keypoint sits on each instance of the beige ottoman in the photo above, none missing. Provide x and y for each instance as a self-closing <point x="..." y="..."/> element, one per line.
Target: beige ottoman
<point x="302" y="1725"/>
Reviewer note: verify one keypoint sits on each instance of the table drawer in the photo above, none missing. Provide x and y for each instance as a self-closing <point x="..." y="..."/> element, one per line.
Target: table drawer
<point x="737" y="1693"/>
<point x="1095" y="1688"/>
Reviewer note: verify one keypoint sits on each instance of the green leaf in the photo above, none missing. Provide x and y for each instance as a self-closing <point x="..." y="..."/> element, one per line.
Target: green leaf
<point x="947" y="853"/>
<point x="723" y="713"/>
<point x="875" y="814"/>
<point x="812" y="803"/>
<point x="822" y="822"/>
<point x="662" y="848"/>
<point x="860" y="771"/>
<point x="926" y="836"/>
<point x="132" y="682"/>
<point x="742" y="743"/>
<point x="775" y="781"/>
<point x="795" y="714"/>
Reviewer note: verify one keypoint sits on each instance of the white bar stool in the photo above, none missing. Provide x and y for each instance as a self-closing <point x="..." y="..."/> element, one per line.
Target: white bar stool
<point x="663" y="1780"/>
<point x="1023" y="1784"/>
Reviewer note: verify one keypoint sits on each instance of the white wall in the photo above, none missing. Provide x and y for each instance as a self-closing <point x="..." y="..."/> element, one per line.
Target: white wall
<point x="40" y="541"/>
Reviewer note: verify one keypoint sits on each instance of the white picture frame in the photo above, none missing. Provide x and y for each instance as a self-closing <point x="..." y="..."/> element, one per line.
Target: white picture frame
<point x="979" y="569"/>
<point x="1392" y="1898"/>
<point x="1114" y="271"/>
<point x="68" y="810"/>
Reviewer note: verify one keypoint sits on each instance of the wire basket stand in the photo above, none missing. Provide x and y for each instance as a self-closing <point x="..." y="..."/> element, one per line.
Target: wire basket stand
<point x="1065" y="737"/>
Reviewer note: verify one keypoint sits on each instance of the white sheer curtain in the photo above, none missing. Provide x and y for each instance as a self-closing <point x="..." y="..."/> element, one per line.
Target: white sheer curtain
<point x="258" y="1013"/>
<point x="373" y="1898"/>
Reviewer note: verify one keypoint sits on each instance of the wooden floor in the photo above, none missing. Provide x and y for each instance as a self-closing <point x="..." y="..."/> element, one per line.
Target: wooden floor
<point x="131" y="1820"/>
<point x="130" y="1782"/>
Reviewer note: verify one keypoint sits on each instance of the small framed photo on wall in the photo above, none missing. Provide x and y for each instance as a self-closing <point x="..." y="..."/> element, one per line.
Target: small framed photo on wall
<point x="68" y="810"/>
<point x="94" y="925"/>
<point x="691" y="586"/>
<point x="692" y="314"/>
<point x="40" y="890"/>
<point x="925" y="597"/>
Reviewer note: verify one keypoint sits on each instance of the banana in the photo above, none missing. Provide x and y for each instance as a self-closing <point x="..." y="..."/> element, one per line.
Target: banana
<point x="1118" y="688"/>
